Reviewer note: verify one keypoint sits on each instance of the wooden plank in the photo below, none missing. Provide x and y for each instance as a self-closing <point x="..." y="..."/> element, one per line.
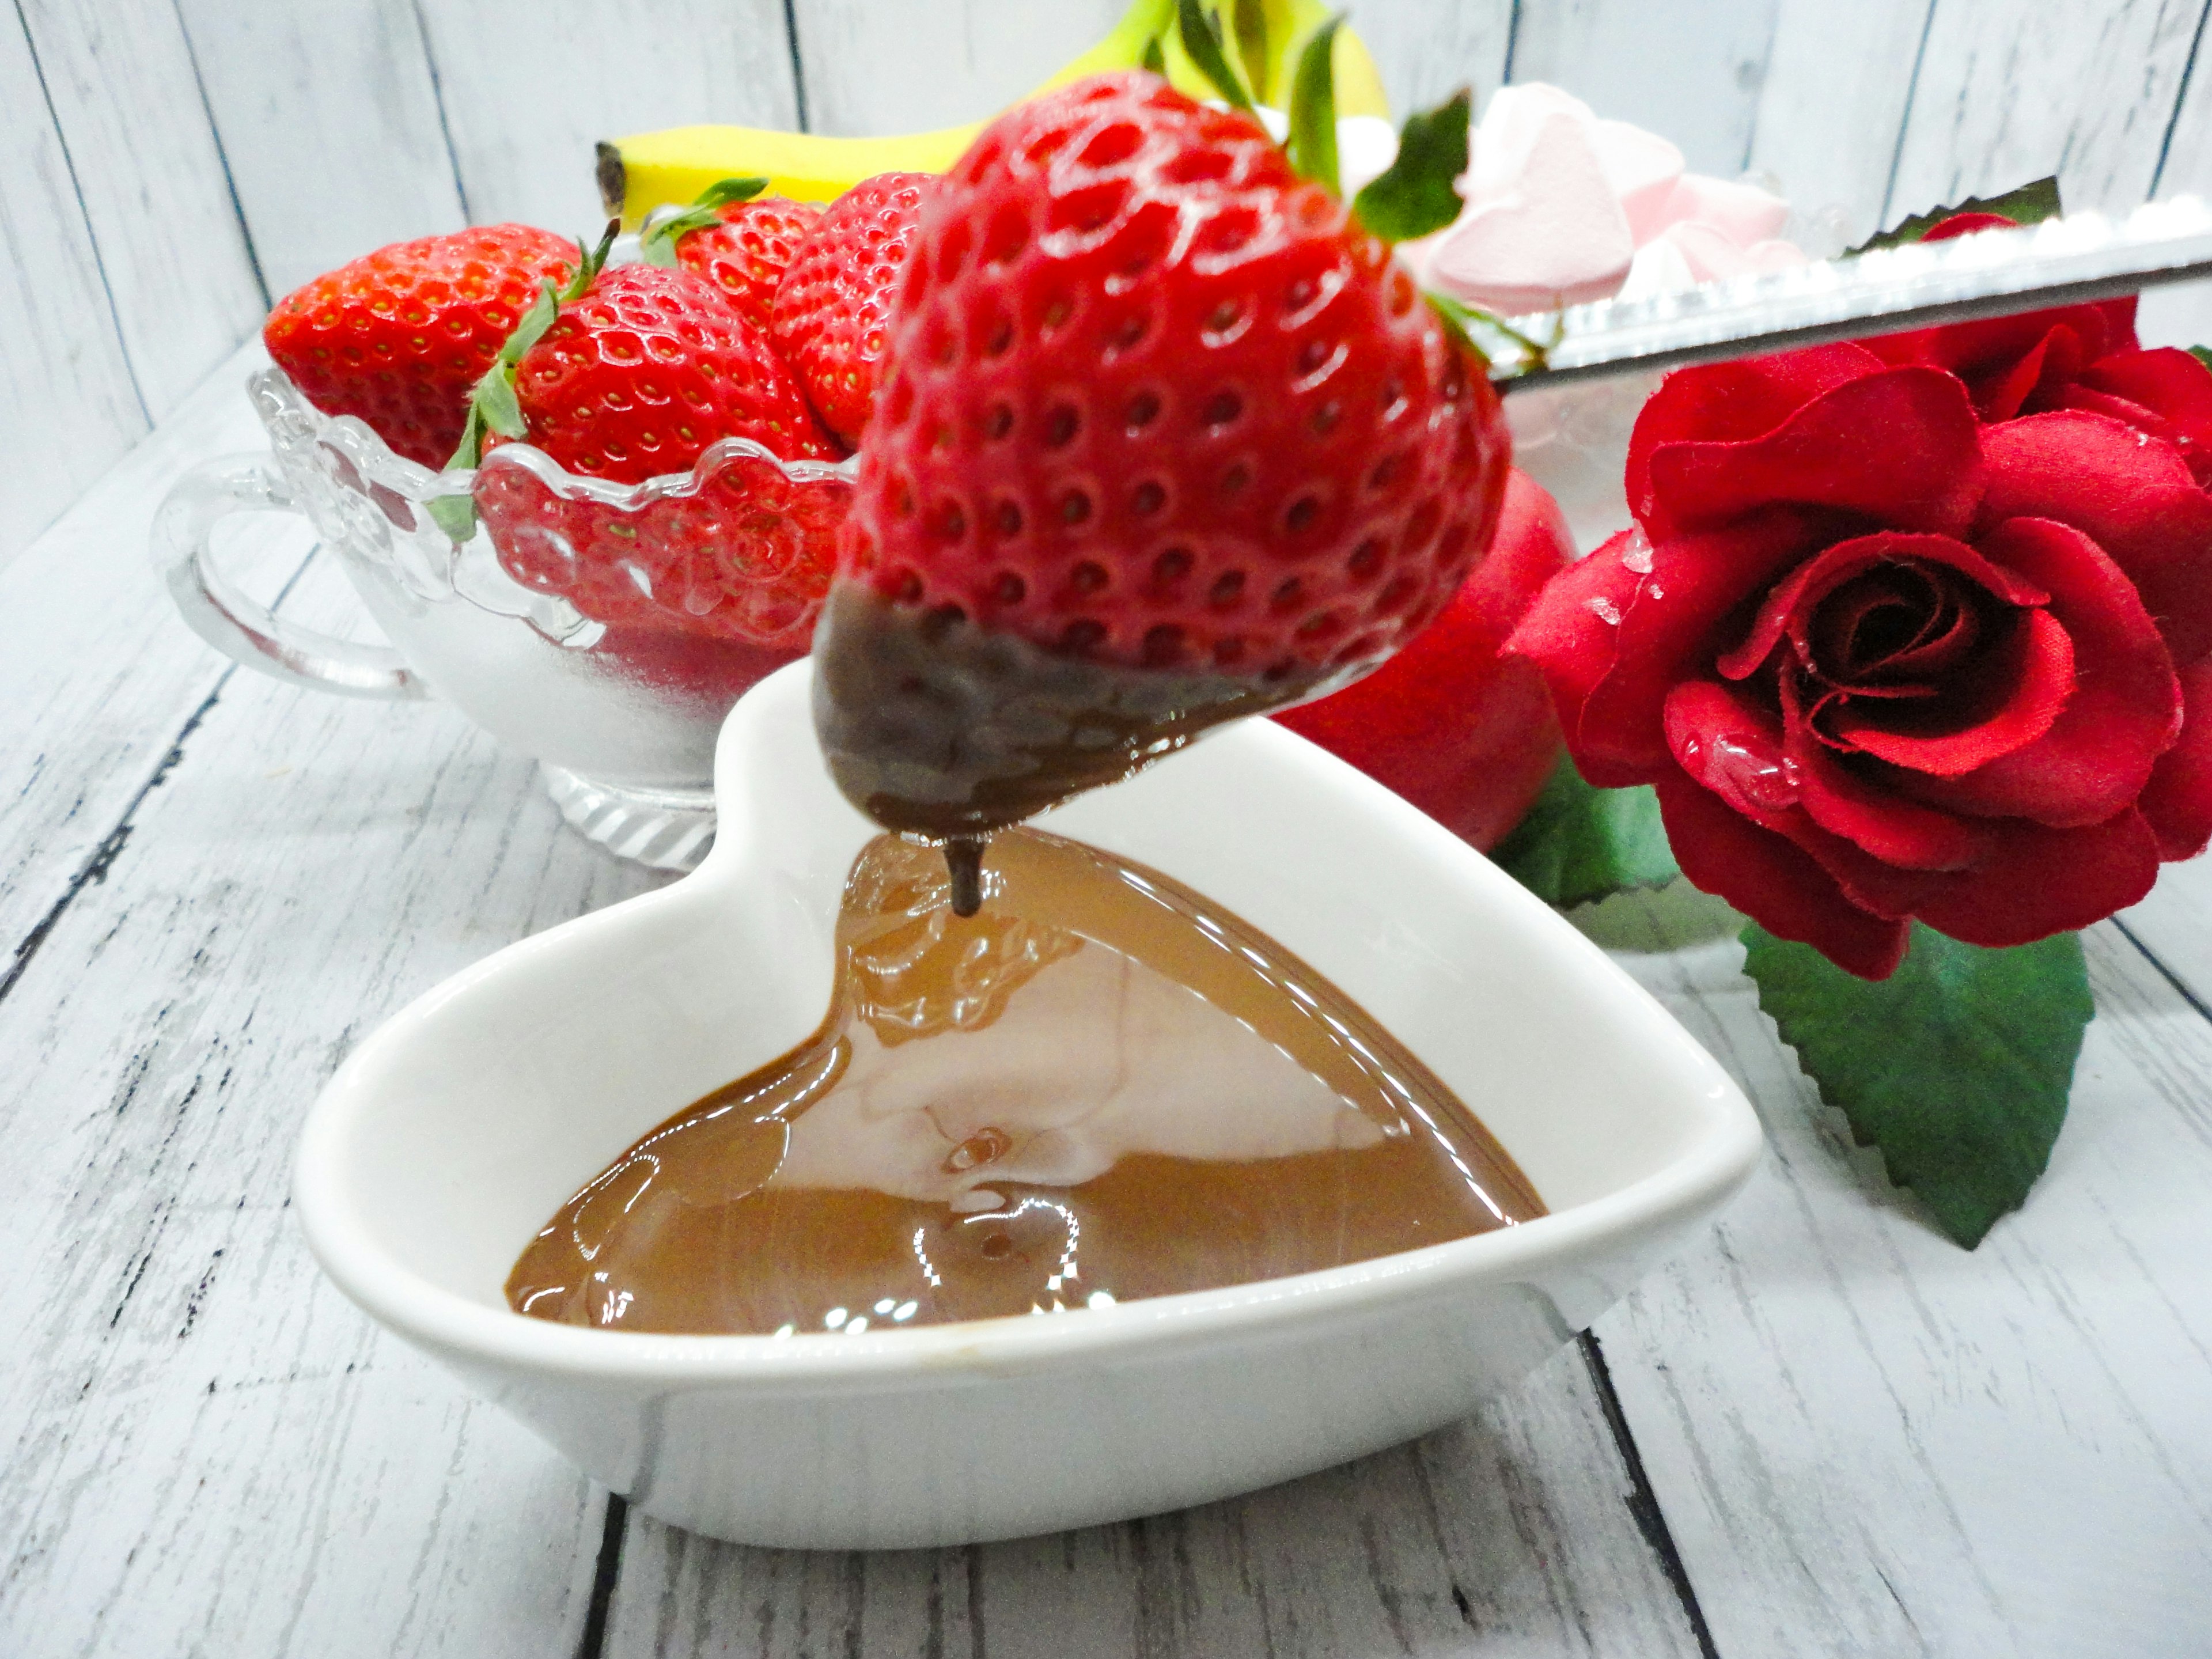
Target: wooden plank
<point x="209" y="1450"/>
<point x="1869" y="1441"/>
<point x="125" y="94"/>
<point x="331" y="124"/>
<point x="872" y="70"/>
<point x="1834" y="101"/>
<point x="1695" y="82"/>
<point x="1425" y="52"/>
<point x="525" y="97"/>
<point x="1505" y="1534"/>
<point x="98" y="685"/>
<point x="2175" y="924"/>
<point x="68" y="407"/>
<point x="2010" y="90"/>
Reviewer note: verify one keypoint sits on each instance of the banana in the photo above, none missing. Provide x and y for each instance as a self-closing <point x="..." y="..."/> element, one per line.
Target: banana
<point x="650" y="169"/>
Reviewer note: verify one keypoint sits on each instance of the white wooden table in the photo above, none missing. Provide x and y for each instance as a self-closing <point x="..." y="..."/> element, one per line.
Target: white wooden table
<point x="1821" y="1430"/>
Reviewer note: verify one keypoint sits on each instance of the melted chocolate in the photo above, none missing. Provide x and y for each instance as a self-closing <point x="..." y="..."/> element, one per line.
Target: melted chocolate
<point x="1104" y="1087"/>
<point x="936" y="727"/>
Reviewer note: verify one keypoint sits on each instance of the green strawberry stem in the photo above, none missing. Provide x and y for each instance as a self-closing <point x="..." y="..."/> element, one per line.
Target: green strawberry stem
<point x="658" y="244"/>
<point x="1313" y="109"/>
<point x="493" y="405"/>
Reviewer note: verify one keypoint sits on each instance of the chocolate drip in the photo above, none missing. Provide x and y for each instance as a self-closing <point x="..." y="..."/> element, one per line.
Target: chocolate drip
<point x="964" y="862"/>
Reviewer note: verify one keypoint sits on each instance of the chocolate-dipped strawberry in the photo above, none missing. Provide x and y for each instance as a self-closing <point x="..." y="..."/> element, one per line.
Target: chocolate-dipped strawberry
<point x="1165" y="437"/>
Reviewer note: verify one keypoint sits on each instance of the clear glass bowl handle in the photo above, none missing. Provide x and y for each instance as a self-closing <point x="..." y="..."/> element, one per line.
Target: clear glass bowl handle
<point x="237" y="626"/>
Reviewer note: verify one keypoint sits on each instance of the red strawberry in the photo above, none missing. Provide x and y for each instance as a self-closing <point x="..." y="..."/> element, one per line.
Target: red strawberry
<point x="400" y="337"/>
<point x="635" y="380"/>
<point x="648" y="368"/>
<point x="832" y="306"/>
<point x="1465" y="734"/>
<point x="747" y="251"/>
<point x="1165" y="436"/>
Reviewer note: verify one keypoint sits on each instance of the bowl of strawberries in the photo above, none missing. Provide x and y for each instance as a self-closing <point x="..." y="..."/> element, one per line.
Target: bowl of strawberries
<point x="588" y="500"/>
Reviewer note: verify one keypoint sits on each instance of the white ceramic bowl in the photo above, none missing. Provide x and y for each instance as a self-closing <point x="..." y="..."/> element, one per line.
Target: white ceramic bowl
<point x="450" y="1135"/>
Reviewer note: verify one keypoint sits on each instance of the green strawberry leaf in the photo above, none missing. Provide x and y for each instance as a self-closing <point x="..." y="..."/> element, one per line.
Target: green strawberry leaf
<point x="1313" y="109"/>
<point x="1505" y="351"/>
<point x="2203" y="354"/>
<point x="532" y="326"/>
<point x="657" y="246"/>
<point x="1416" y="195"/>
<point x="1957" y="1066"/>
<point x="2029" y="204"/>
<point x="1201" y="39"/>
<point x="1578" y="843"/>
<point x="496" y="403"/>
<point x="454" y="515"/>
<point x="1154" y="59"/>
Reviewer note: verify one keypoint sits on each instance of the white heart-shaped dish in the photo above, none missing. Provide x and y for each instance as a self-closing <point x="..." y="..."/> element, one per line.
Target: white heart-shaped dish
<point x="451" y="1134"/>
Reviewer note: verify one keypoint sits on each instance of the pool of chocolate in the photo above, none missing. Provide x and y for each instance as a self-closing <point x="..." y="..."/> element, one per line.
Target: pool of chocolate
<point x="1100" y="1087"/>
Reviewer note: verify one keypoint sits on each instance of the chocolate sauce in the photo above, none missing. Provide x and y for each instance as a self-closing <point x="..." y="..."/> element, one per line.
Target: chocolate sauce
<point x="936" y="727"/>
<point x="1102" y="1087"/>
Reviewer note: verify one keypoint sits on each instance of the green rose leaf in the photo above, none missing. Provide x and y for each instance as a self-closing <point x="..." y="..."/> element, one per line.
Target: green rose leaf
<point x="2029" y="204"/>
<point x="1416" y="195"/>
<point x="1956" y="1067"/>
<point x="1579" y="843"/>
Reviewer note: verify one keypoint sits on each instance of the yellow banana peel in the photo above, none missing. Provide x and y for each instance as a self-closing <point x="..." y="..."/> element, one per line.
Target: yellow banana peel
<point x="649" y="170"/>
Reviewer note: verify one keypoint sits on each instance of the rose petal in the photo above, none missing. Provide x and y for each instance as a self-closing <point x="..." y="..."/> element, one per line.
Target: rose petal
<point x="2134" y="496"/>
<point x="1680" y="615"/>
<point x="1566" y="633"/>
<point x="1734" y="750"/>
<point x="2021" y="692"/>
<point x="2040" y="881"/>
<point x="1734" y="401"/>
<point x="1790" y="603"/>
<point x="1901" y="446"/>
<point x="1773" y="882"/>
<point x="2125" y="713"/>
<point x="2170" y="387"/>
<point x="2176" y="802"/>
<point x="1874" y="818"/>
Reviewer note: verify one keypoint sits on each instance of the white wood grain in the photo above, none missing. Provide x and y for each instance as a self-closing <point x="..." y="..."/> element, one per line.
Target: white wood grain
<point x="126" y="97"/>
<point x="330" y="119"/>
<point x="1833" y="100"/>
<point x="1693" y="76"/>
<point x="2010" y="90"/>
<point x="209" y="1450"/>
<point x="2175" y="924"/>
<point x="1870" y="1442"/>
<point x="1506" y="1534"/>
<point x="525" y="97"/>
<point x="1425" y="53"/>
<point x="874" y="69"/>
<point x="96" y="687"/>
<point x="68" y="407"/>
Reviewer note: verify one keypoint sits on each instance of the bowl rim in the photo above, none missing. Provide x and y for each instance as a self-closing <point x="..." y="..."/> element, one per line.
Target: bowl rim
<point x="1725" y="1142"/>
<point x="277" y="399"/>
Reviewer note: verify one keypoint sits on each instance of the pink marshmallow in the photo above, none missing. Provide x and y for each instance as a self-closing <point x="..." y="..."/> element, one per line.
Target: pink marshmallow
<point x="1559" y="237"/>
<point x="1744" y="213"/>
<point x="1642" y="168"/>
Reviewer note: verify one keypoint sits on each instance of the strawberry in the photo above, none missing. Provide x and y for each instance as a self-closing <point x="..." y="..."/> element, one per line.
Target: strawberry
<point x="1467" y="735"/>
<point x="400" y="336"/>
<point x="831" y="307"/>
<point x="635" y="378"/>
<point x="745" y="252"/>
<point x="1164" y="436"/>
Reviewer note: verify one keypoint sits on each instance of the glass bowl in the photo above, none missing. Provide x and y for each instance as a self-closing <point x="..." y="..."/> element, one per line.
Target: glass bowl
<point x="603" y="629"/>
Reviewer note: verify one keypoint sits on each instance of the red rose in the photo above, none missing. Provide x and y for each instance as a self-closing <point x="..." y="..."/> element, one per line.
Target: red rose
<point x="2073" y="357"/>
<point x="1881" y="661"/>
